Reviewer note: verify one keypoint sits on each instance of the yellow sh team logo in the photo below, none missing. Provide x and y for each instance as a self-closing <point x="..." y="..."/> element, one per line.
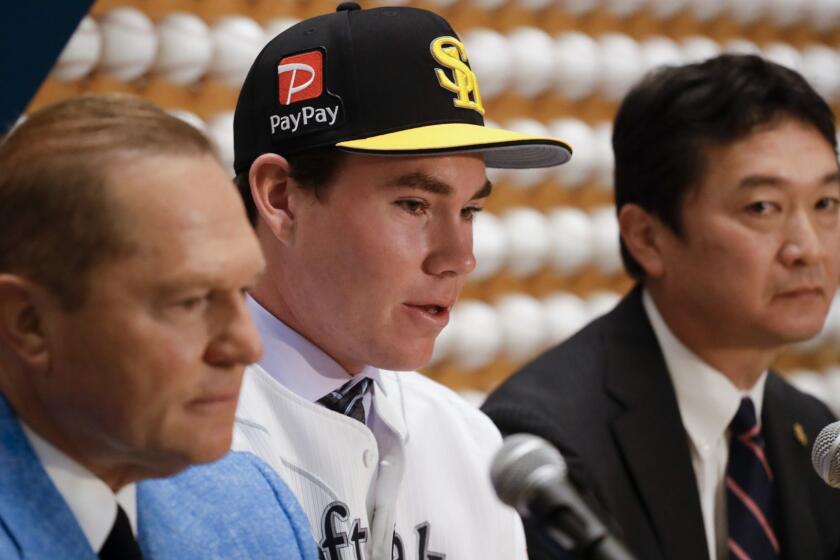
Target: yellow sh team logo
<point x="450" y="52"/>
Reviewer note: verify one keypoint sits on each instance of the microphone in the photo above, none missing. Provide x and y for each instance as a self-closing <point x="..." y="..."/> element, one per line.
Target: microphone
<point x="825" y="455"/>
<point x="530" y="475"/>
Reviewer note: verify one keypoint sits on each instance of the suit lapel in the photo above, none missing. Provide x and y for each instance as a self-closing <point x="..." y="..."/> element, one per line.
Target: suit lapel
<point x="790" y="462"/>
<point x="31" y="508"/>
<point x="650" y="433"/>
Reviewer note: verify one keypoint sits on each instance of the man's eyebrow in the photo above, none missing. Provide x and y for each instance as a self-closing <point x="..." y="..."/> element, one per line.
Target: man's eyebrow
<point x="484" y="191"/>
<point x="422" y="181"/>
<point x="831" y="178"/>
<point x="754" y="181"/>
<point x="425" y="182"/>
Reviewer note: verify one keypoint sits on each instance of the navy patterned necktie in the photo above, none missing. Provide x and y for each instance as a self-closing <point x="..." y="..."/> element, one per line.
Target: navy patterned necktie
<point x="120" y="544"/>
<point x="749" y="491"/>
<point x="348" y="400"/>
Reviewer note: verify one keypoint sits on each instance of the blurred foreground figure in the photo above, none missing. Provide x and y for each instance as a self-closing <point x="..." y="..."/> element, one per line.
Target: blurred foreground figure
<point x="361" y="152"/>
<point x="124" y="255"/>
<point x="666" y="410"/>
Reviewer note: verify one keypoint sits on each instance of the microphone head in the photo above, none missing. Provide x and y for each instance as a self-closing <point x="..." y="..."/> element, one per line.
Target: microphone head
<point x="522" y="465"/>
<point x="825" y="454"/>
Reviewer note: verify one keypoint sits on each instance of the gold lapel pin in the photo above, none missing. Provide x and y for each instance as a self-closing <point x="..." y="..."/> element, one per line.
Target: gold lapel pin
<point x="799" y="434"/>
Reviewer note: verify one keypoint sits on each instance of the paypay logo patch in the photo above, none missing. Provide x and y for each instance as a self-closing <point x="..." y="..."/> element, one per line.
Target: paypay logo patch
<point x="305" y="104"/>
<point x="301" y="77"/>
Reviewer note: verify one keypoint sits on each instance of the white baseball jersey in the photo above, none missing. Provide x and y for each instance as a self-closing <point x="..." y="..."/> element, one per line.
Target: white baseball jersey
<point x="419" y="490"/>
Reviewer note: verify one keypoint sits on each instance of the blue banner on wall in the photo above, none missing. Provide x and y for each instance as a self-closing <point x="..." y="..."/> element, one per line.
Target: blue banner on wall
<point x="32" y="35"/>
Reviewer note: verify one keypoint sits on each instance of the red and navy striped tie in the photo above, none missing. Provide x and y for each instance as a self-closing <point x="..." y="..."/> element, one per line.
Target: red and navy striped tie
<point x="749" y="491"/>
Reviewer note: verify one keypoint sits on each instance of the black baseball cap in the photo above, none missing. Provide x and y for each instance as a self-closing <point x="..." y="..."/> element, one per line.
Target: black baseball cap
<point x="383" y="81"/>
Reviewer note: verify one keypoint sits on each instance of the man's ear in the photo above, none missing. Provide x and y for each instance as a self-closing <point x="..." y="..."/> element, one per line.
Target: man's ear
<point x="642" y="234"/>
<point x="22" y="321"/>
<point x="271" y="188"/>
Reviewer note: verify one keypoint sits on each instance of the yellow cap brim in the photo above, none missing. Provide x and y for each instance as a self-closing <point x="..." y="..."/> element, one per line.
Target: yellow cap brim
<point x="500" y="148"/>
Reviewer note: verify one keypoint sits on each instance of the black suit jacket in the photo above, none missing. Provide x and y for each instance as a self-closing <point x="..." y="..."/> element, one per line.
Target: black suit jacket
<point x="605" y="399"/>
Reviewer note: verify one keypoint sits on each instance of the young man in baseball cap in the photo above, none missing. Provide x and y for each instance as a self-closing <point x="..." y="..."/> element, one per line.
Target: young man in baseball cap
<point x="361" y="153"/>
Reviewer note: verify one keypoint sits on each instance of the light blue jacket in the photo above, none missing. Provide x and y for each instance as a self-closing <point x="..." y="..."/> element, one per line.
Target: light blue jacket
<point x="235" y="508"/>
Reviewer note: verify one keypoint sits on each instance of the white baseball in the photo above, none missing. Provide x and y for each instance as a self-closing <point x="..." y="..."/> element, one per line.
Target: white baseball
<point x="490" y="58"/>
<point x="810" y="382"/>
<point x="443" y="3"/>
<point x="705" y="10"/>
<point x="190" y="118"/>
<point x="605" y="234"/>
<point x="565" y="314"/>
<point x="787" y="12"/>
<point x="783" y="54"/>
<point x="533" y="60"/>
<point x="535" y="5"/>
<point x="580" y="168"/>
<point x="524" y="326"/>
<point x="697" y="48"/>
<point x="824" y="15"/>
<point x="82" y="52"/>
<point x="129" y="43"/>
<point x="664" y="9"/>
<point x="624" y="8"/>
<point x="622" y="64"/>
<point x="185" y="49"/>
<point x="741" y="46"/>
<point x="237" y="40"/>
<point x="571" y="240"/>
<point x="220" y="130"/>
<point x="528" y="178"/>
<point x="275" y="27"/>
<point x="601" y="302"/>
<point x="577" y="70"/>
<point x="490" y="246"/>
<point x="477" y="336"/>
<point x="443" y="343"/>
<point x="829" y="334"/>
<point x="660" y="51"/>
<point x="832" y="321"/>
<point x="746" y="12"/>
<point x="821" y="67"/>
<point x="604" y="155"/>
<point x="579" y="7"/>
<point x="832" y="382"/>
<point x="489" y="5"/>
<point x="529" y="240"/>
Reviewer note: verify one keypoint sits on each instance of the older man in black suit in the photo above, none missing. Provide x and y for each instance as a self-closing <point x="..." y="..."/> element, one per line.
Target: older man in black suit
<point x="666" y="409"/>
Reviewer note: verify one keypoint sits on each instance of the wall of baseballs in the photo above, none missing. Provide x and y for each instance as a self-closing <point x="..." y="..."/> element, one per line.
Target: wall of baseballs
<point x="547" y="245"/>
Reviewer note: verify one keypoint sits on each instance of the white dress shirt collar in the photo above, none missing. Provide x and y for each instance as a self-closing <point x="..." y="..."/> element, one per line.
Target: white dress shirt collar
<point x="91" y="501"/>
<point x="298" y="364"/>
<point x="707" y="399"/>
